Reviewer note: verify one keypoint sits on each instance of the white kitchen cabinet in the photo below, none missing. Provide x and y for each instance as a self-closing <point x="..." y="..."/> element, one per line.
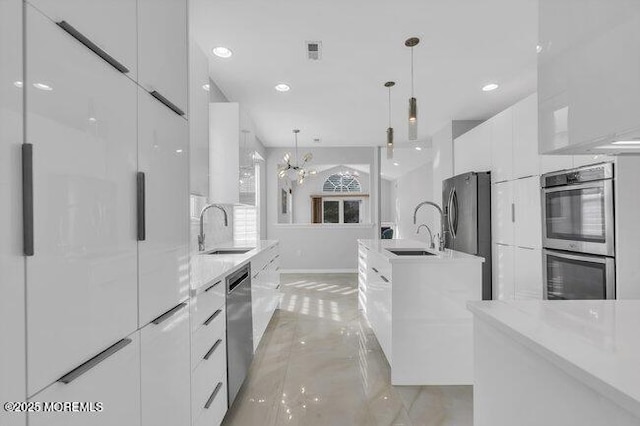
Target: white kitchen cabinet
<point x="379" y="301"/>
<point x="588" y="74"/>
<point x="503" y="272"/>
<point x="224" y="150"/>
<point x="111" y="379"/>
<point x="163" y="252"/>
<point x="199" y="120"/>
<point x="472" y="150"/>
<point x="81" y="120"/>
<point x="527" y="211"/>
<point x="528" y="282"/>
<point x="502" y="146"/>
<point x="554" y="163"/>
<point x="526" y="161"/>
<point x="12" y="277"/>
<point x="265" y="292"/>
<point x="162" y="49"/>
<point x="108" y="25"/>
<point x="502" y="212"/>
<point x="165" y="364"/>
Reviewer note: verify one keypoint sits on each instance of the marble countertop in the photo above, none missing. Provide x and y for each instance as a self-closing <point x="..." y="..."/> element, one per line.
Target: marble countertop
<point x="381" y="246"/>
<point x="597" y="342"/>
<point x="206" y="268"/>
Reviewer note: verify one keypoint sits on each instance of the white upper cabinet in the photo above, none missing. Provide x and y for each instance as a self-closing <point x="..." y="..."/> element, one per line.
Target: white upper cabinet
<point x="162" y="49"/>
<point x="166" y="369"/>
<point x="82" y="284"/>
<point x="472" y="150"/>
<point x="111" y="379"/>
<point x="224" y="152"/>
<point x="107" y="27"/>
<point x="502" y="212"/>
<point x="528" y="216"/>
<point x="163" y="252"/>
<point x="502" y="146"/>
<point x="526" y="161"/>
<point x="588" y="71"/>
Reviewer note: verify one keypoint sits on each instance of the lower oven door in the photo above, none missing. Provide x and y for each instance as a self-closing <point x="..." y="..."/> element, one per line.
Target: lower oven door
<point x="572" y="276"/>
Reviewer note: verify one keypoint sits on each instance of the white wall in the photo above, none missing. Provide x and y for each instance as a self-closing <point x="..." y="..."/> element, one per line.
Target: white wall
<point x="411" y="189"/>
<point x="317" y="247"/>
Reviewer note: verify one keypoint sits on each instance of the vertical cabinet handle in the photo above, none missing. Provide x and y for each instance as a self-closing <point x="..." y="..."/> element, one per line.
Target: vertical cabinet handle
<point x="92" y="46"/>
<point x="513" y="212"/>
<point x="213" y="395"/>
<point x="141" y="198"/>
<point x="167" y="102"/>
<point x="83" y="368"/>
<point x="27" y="199"/>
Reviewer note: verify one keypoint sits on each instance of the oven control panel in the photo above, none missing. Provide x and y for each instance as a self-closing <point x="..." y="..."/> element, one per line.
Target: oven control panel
<point x="581" y="175"/>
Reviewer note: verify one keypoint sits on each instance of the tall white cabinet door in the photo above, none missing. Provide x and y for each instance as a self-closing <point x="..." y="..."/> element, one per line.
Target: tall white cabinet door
<point x="109" y="26"/>
<point x="502" y="146"/>
<point x="82" y="284"/>
<point x="166" y="369"/>
<point x="502" y="212"/>
<point x="162" y="49"/>
<point x="112" y="379"/>
<point x="526" y="161"/>
<point x="472" y="150"/>
<point x="528" y="212"/>
<point x="163" y="256"/>
<point x="503" y="272"/>
<point x="12" y="280"/>
<point x="528" y="274"/>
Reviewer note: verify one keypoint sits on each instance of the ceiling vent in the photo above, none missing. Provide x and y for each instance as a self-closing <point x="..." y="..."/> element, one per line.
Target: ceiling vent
<point x="314" y="50"/>
<point x="316" y="140"/>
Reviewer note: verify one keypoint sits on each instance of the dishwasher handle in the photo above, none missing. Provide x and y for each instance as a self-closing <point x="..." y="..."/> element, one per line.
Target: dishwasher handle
<point x="238" y="279"/>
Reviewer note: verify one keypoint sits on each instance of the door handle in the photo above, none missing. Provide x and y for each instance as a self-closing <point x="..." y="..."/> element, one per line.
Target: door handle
<point x="92" y="46"/>
<point x="513" y="212"/>
<point x="141" y="201"/>
<point x="167" y="102"/>
<point x="171" y="312"/>
<point x="83" y="368"/>
<point x="27" y="199"/>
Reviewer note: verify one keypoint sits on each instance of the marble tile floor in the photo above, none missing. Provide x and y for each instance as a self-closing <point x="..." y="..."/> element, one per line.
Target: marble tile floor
<point x="320" y="364"/>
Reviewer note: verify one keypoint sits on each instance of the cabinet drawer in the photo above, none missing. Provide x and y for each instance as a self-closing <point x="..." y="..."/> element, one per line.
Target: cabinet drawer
<point x="211" y="298"/>
<point x="206" y="336"/>
<point x="213" y="415"/>
<point x="205" y="377"/>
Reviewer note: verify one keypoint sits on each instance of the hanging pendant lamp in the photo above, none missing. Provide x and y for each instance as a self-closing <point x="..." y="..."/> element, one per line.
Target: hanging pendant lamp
<point x="296" y="170"/>
<point x="413" y="103"/>
<point x="389" y="85"/>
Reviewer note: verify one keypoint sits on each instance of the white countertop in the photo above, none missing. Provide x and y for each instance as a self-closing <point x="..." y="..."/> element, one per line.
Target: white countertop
<point x="206" y="267"/>
<point x="381" y="246"/>
<point x="597" y="342"/>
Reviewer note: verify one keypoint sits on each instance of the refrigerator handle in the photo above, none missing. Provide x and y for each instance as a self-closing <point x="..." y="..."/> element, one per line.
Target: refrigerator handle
<point x="453" y="211"/>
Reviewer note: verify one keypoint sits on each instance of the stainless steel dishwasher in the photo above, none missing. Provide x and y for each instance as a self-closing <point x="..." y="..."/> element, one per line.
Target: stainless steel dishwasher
<point x="239" y="329"/>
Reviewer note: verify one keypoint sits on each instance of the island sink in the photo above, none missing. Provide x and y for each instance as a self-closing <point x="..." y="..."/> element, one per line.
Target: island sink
<point x="410" y="252"/>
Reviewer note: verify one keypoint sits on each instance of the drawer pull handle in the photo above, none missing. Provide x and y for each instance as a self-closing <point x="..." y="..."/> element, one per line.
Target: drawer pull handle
<point x="141" y="209"/>
<point x="212" y="286"/>
<point x="83" y="368"/>
<point x="167" y="103"/>
<point x="212" y="317"/>
<point x="171" y="312"/>
<point x="277" y="268"/>
<point x="375" y="270"/>
<point x="384" y="278"/>
<point x="92" y="46"/>
<point x="213" y="349"/>
<point x="213" y="395"/>
<point x="27" y="199"/>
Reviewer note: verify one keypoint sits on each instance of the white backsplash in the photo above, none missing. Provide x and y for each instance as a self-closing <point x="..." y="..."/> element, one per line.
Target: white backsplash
<point x="216" y="233"/>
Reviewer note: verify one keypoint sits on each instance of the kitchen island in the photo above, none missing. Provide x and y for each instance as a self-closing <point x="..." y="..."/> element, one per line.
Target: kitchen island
<point x="557" y="363"/>
<point x="415" y="301"/>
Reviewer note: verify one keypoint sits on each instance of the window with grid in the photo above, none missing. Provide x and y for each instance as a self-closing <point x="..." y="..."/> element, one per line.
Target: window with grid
<point x="341" y="182"/>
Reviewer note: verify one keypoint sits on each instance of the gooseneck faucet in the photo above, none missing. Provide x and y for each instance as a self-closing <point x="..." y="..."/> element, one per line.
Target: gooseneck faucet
<point x="430" y="234"/>
<point x="201" y="245"/>
<point x="442" y="226"/>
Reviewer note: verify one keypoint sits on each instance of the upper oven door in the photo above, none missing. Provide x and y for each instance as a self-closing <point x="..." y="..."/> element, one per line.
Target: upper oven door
<point x="569" y="276"/>
<point x="579" y="218"/>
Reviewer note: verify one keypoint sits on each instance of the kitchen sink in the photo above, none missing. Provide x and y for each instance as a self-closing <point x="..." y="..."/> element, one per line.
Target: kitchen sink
<point x="230" y="251"/>
<point x="411" y="252"/>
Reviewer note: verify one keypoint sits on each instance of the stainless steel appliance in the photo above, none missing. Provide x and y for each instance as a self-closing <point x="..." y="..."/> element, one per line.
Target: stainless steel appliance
<point x="467" y="210"/>
<point x="577" y="210"/>
<point x="239" y="329"/>
<point x="579" y="233"/>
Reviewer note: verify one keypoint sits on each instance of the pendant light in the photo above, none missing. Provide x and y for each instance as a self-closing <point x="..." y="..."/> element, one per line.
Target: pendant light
<point x="413" y="103"/>
<point x="389" y="85"/>
<point x="296" y="170"/>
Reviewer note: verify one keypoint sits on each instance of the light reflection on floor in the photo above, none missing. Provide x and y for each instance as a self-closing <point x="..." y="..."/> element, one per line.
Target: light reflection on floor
<point x="320" y="364"/>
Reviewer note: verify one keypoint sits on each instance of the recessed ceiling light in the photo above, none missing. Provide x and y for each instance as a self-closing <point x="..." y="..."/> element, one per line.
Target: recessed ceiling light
<point x="222" y="52"/>
<point x="396" y="163"/>
<point x="282" y="87"/>
<point x="18" y="84"/>
<point x="206" y="87"/>
<point x="631" y="142"/>
<point x="538" y="48"/>
<point x="42" y="86"/>
<point x="178" y="151"/>
<point x="489" y="87"/>
<point x="92" y="119"/>
<point x="418" y="148"/>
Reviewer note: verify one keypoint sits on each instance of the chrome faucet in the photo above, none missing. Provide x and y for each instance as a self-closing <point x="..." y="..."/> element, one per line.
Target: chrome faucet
<point x="201" y="245"/>
<point x="433" y="245"/>
<point x="442" y="226"/>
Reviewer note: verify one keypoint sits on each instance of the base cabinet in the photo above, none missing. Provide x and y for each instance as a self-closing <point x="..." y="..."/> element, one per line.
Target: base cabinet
<point x="265" y="291"/>
<point x="518" y="273"/>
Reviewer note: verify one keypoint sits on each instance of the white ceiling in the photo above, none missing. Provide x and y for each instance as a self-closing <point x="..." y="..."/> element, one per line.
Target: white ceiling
<point x="341" y="99"/>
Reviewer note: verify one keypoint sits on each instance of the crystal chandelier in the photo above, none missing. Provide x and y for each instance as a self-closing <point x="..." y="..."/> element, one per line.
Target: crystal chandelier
<point x="295" y="170"/>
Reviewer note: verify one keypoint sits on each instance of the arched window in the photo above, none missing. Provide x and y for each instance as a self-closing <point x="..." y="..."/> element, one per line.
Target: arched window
<point x="342" y="182"/>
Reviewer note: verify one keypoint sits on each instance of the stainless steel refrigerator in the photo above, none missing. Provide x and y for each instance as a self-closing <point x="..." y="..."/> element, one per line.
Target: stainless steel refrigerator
<point x="466" y="201"/>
